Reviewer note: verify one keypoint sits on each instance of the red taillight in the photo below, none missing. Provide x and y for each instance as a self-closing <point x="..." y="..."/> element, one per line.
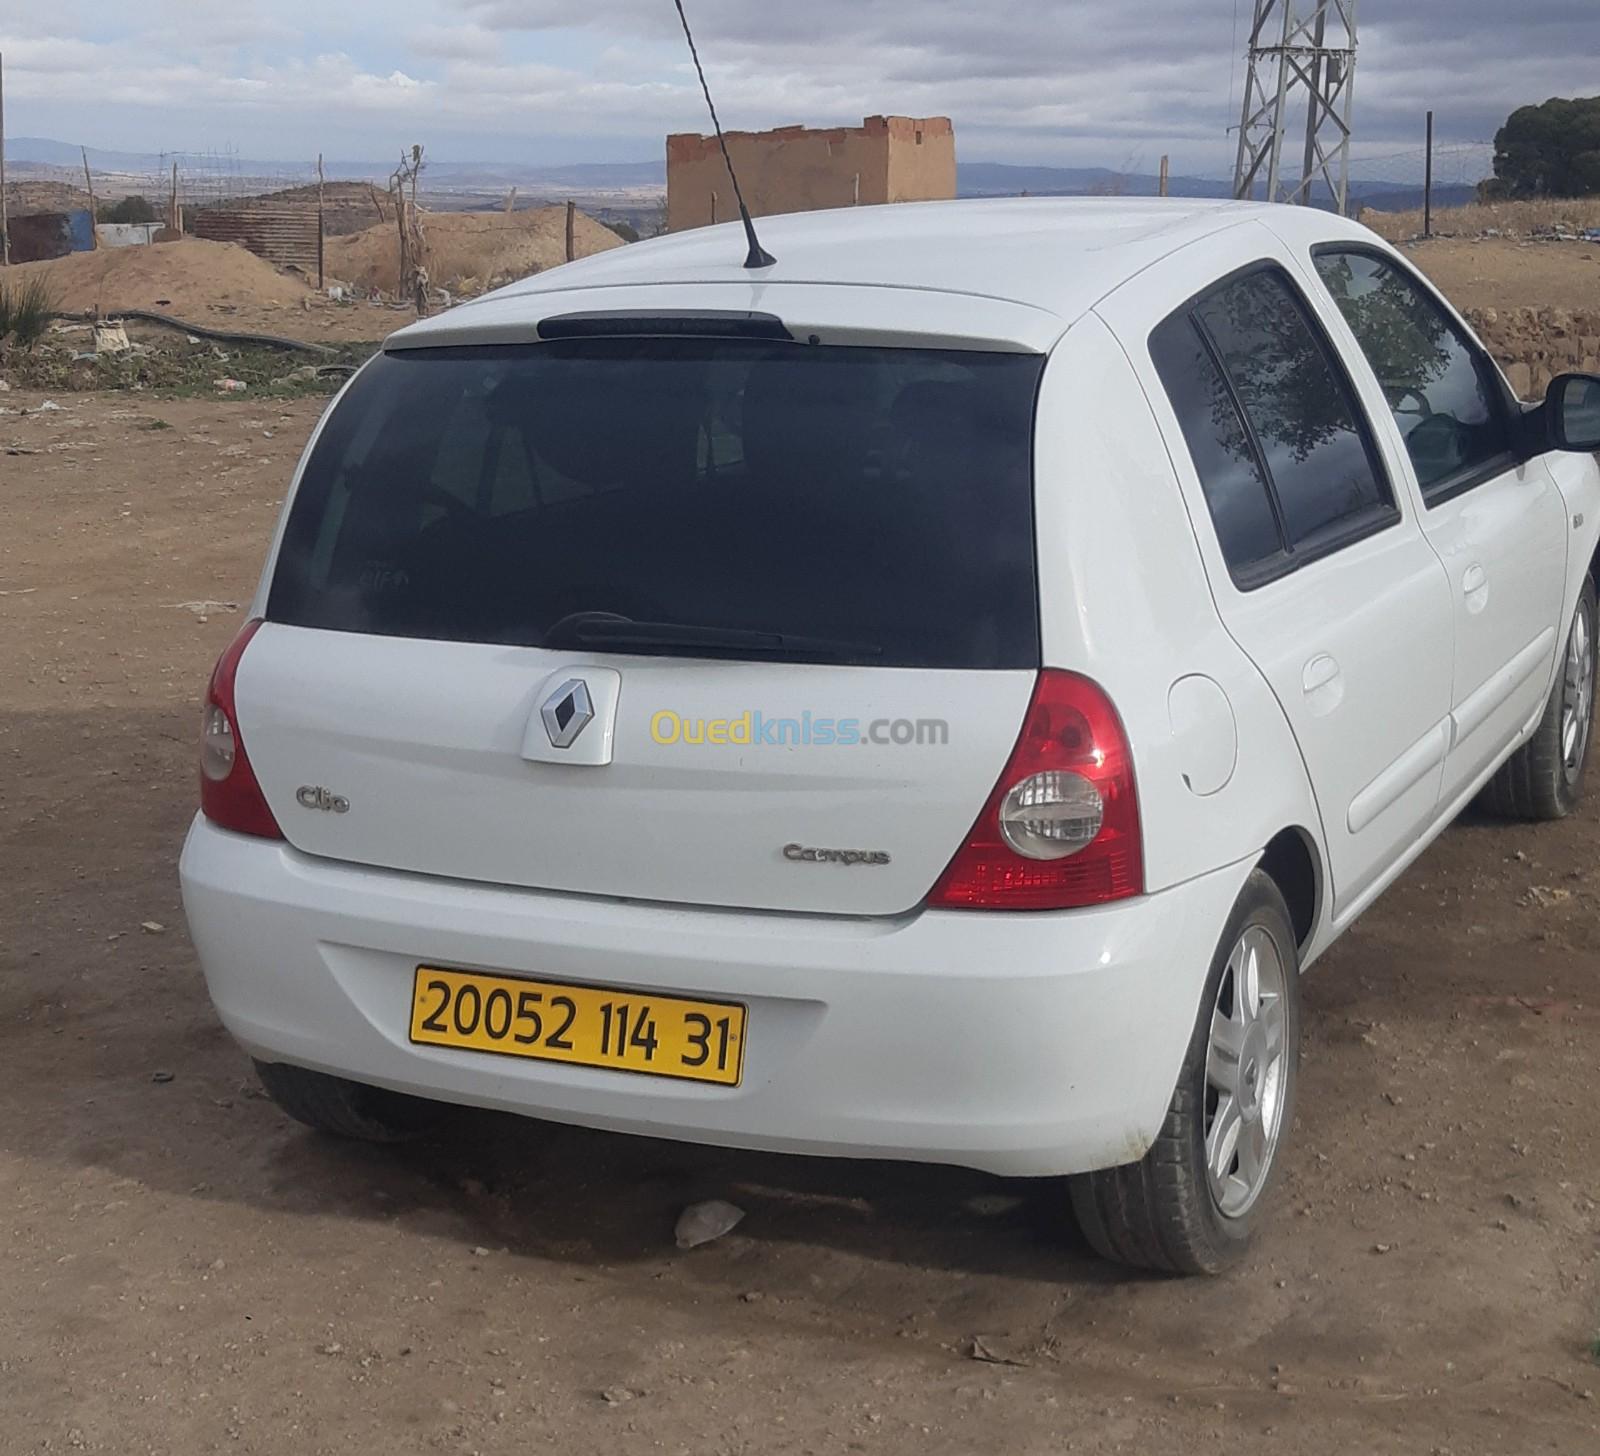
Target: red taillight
<point x="1061" y="828"/>
<point x="230" y="797"/>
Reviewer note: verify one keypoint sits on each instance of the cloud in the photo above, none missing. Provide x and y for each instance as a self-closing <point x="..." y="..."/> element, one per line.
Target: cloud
<point x="454" y="42"/>
<point x="1068" y="81"/>
<point x="1164" y="71"/>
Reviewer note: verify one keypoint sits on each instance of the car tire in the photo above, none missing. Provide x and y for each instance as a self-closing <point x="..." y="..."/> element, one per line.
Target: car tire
<point x="1543" y="779"/>
<point x="346" y="1109"/>
<point x="1168" y="1212"/>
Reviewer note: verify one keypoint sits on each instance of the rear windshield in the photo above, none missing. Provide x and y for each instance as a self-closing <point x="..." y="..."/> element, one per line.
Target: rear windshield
<point x="861" y="505"/>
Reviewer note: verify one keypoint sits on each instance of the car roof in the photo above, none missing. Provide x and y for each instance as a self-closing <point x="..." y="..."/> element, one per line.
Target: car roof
<point x="1054" y="256"/>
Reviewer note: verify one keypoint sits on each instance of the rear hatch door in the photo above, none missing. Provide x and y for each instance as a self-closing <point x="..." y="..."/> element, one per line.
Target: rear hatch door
<point x="786" y="593"/>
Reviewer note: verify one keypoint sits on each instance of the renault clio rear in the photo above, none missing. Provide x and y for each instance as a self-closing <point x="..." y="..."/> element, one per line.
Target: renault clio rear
<point x="788" y="711"/>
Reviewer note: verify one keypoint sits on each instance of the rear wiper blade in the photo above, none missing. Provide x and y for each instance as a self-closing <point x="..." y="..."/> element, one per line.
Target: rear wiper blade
<point x="608" y="629"/>
<point x="567" y="628"/>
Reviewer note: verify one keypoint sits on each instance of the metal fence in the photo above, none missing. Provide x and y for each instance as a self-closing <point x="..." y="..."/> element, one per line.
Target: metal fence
<point x="289" y="237"/>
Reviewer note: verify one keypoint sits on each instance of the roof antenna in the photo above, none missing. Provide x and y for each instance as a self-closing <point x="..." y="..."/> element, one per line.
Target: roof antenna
<point x="758" y="257"/>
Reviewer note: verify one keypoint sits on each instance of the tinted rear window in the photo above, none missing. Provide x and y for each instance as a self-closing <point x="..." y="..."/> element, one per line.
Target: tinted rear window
<point x="1313" y="437"/>
<point x="877" y="497"/>
<point x="1230" y="473"/>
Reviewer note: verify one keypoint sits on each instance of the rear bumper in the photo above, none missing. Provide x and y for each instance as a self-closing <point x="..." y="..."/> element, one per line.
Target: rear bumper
<point x="1021" y="1044"/>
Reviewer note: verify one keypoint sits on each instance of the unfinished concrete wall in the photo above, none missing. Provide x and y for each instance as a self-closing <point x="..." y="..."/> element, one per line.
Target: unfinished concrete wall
<point x="797" y="169"/>
<point x="125" y="234"/>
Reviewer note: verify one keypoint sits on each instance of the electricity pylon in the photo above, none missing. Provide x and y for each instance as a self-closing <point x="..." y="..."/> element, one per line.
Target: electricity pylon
<point x="1302" y="55"/>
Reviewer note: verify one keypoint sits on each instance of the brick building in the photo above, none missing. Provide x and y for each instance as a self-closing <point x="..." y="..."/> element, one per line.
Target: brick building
<point x="799" y="169"/>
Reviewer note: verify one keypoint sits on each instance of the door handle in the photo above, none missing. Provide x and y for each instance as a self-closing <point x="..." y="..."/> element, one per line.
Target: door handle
<point x="1323" y="683"/>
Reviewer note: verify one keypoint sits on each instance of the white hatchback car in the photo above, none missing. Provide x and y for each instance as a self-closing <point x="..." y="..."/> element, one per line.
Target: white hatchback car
<point x="928" y="698"/>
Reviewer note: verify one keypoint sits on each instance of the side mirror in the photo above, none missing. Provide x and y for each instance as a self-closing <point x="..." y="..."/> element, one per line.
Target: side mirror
<point x="1572" y="406"/>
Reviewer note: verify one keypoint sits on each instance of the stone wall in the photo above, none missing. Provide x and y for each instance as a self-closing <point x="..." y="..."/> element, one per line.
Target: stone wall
<point x="1534" y="345"/>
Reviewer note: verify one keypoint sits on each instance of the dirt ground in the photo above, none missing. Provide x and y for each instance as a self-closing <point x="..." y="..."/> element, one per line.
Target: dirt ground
<point x="221" y="286"/>
<point x="1504" y="273"/>
<point x="184" y="1270"/>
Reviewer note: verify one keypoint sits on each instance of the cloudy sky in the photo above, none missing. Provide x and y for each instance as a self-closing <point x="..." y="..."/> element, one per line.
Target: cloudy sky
<point x="1067" y="82"/>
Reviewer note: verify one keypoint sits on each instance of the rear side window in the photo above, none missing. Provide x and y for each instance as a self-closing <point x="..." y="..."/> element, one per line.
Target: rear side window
<point x="1282" y="449"/>
<point x="875" y="503"/>
<point x="1235" y="485"/>
<point x="1437" y="383"/>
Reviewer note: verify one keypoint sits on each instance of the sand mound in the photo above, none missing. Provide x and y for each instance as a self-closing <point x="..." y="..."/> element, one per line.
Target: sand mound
<point x="469" y="252"/>
<point x="191" y="279"/>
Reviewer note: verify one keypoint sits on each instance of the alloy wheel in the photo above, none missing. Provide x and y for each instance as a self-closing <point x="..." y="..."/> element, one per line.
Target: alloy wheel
<point x="1577" y="694"/>
<point x="1246" y="1072"/>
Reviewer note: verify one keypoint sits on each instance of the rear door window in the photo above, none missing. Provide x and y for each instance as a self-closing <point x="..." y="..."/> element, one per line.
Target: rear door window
<point x="875" y="504"/>
<point x="1225" y="458"/>
<point x="1284" y="453"/>
<point x="1301" y="410"/>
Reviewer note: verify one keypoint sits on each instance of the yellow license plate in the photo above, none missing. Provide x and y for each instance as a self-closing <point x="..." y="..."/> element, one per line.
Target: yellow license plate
<point x="591" y="1026"/>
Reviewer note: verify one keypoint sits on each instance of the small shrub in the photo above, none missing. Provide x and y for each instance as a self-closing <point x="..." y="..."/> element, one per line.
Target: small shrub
<point x="130" y="209"/>
<point x="26" y="309"/>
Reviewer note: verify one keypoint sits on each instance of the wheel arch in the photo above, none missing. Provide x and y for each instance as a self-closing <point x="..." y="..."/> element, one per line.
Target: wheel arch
<point x="1294" y="864"/>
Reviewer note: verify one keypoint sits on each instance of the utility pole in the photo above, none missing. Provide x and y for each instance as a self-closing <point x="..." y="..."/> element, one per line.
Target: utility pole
<point x="5" y="219"/>
<point x="322" y="226"/>
<point x="1302" y="54"/>
<point x="1161" y="186"/>
<point x="94" y="214"/>
<point x="1427" y="184"/>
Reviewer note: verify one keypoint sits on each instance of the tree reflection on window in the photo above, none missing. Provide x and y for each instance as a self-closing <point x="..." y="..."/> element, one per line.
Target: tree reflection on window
<point x="1433" y="380"/>
<point x="1314" y="449"/>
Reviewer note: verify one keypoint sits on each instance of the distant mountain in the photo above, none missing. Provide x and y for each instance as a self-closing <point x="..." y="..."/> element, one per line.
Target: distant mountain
<point x="1001" y="179"/>
<point x="43" y="152"/>
<point x="1400" y="197"/>
<point x="583" y="176"/>
<point x="973" y="179"/>
<point x="997" y="179"/>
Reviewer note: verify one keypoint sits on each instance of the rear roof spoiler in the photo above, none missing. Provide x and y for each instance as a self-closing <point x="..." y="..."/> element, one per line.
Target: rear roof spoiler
<point x="666" y="322"/>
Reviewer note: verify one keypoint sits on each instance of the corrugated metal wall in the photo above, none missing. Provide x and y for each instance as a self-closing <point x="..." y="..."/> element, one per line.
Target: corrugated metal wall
<point x="82" y="225"/>
<point x="288" y="237"/>
<point x="40" y="235"/>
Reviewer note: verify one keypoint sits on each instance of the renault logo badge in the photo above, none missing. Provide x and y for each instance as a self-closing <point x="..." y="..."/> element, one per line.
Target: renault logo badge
<point x="567" y="712"/>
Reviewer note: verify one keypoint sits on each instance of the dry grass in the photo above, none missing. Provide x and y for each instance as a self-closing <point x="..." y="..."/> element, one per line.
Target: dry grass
<point x="1513" y="219"/>
<point x="468" y="252"/>
<point x="26" y="308"/>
